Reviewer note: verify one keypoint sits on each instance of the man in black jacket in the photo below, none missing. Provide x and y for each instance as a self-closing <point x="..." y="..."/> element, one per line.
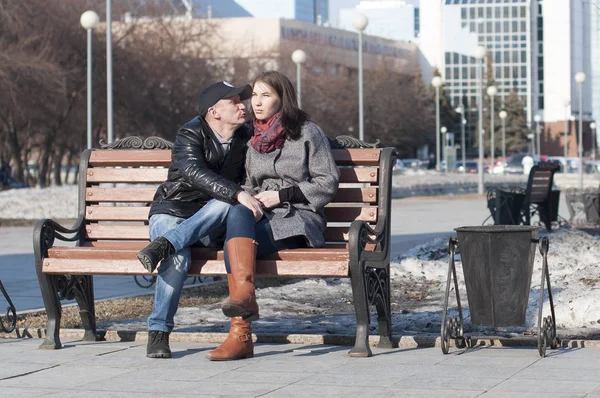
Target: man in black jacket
<point x="207" y="166"/>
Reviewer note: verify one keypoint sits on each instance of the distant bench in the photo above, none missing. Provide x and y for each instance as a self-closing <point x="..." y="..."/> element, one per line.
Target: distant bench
<point x="117" y="184"/>
<point x="518" y="206"/>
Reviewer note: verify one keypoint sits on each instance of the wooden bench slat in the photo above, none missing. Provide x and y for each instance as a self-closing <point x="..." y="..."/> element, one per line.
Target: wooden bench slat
<point x="138" y="213"/>
<point x="139" y="157"/>
<point x="137" y="246"/>
<point x="295" y="268"/>
<point x="356" y="195"/>
<point x="128" y="175"/>
<point x="112" y="253"/>
<point x="358" y="174"/>
<point x="356" y="157"/>
<point x="129" y="158"/>
<point x="146" y="194"/>
<point x="140" y="232"/>
<point x="134" y="175"/>
<point x="127" y="195"/>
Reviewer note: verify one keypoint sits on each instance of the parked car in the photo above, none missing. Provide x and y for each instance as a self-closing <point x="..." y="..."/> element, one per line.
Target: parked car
<point x="470" y="167"/>
<point x="399" y="166"/>
<point x="414" y="163"/>
<point x="514" y="164"/>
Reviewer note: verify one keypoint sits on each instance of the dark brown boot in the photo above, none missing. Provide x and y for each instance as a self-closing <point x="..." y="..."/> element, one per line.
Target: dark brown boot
<point x="154" y="253"/>
<point x="242" y="296"/>
<point x="238" y="344"/>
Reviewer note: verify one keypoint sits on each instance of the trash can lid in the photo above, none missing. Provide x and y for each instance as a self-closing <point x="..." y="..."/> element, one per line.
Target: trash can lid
<point x="498" y="228"/>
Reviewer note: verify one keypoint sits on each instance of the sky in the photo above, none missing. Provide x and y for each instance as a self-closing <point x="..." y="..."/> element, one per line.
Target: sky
<point x="336" y="5"/>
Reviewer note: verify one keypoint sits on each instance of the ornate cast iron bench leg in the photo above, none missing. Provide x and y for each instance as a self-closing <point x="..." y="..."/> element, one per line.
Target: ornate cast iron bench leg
<point x="83" y="290"/>
<point x="378" y="293"/>
<point x="452" y="327"/>
<point x="546" y="326"/>
<point x="11" y="313"/>
<point x="43" y="238"/>
<point x="361" y="308"/>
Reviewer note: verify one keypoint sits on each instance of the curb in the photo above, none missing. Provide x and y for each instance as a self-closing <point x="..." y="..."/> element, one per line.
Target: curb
<point x="402" y="342"/>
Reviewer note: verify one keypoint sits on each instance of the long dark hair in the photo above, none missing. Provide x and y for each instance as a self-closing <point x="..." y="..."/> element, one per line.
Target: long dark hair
<point x="292" y="117"/>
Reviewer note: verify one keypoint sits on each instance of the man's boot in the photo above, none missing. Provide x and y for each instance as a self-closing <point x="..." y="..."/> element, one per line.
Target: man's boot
<point x="157" y="250"/>
<point x="158" y="344"/>
<point x="242" y="296"/>
<point x="238" y="344"/>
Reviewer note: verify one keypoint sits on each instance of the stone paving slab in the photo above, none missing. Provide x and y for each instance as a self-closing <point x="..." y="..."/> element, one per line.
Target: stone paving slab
<point x="120" y="369"/>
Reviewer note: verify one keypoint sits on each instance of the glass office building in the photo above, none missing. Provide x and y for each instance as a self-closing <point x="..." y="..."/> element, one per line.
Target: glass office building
<point x="503" y="28"/>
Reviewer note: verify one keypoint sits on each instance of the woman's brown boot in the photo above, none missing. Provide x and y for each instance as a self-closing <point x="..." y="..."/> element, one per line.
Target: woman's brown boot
<point x="242" y="296"/>
<point x="238" y="344"/>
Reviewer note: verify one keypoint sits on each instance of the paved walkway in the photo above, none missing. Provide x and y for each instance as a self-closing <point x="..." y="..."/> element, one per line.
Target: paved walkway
<point x="120" y="369"/>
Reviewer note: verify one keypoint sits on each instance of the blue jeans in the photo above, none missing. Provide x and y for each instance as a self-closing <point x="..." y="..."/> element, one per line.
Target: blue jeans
<point x="206" y="227"/>
<point x="241" y="224"/>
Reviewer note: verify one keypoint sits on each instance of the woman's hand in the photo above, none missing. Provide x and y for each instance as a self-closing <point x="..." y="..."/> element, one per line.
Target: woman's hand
<point x="269" y="199"/>
<point x="254" y="205"/>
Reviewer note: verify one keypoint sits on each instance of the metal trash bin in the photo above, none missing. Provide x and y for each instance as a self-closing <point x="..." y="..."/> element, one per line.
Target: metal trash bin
<point x="506" y="206"/>
<point x="497" y="265"/>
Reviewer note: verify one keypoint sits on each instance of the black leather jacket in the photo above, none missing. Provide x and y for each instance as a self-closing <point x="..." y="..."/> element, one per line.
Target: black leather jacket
<point x="200" y="171"/>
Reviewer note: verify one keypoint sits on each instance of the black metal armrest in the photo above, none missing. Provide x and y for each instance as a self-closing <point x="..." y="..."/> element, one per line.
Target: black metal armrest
<point x="47" y="230"/>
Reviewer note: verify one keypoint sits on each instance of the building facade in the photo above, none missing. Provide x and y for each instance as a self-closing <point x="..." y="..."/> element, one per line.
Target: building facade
<point x="533" y="47"/>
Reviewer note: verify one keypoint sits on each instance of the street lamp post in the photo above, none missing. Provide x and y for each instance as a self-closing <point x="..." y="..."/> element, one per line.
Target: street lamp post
<point x="502" y="114"/>
<point x="360" y="22"/>
<point x="566" y="140"/>
<point x="480" y="55"/>
<point x="444" y="130"/>
<point x="461" y="110"/>
<point x="109" y="68"/>
<point x="530" y="143"/>
<point x="437" y="83"/>
<point x="88" y="20"/>
<point x="580" y="78"/>
<point x="593" y="127"/>
<point x="538" y="148"/>
<point x="299" y="57"/>
<point x="491" y="92"/>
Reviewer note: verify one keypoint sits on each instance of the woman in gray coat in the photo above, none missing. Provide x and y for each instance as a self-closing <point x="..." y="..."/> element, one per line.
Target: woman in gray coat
<point x="290" y="170"/>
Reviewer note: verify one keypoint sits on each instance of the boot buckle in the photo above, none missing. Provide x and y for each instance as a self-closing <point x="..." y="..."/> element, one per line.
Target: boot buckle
<point x="244" y="337"/>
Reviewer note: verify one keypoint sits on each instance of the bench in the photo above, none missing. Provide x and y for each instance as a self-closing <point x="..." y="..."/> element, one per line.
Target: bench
<point x="117" y="184"/>
<point x="518" y="206"/>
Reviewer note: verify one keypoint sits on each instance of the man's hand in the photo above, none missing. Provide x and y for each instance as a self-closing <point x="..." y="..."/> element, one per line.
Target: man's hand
<point x="254" y="205"/>
<point x="269" y="199"/>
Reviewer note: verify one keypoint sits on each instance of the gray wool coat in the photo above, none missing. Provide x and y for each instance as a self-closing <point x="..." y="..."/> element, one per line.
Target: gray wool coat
<point x="307" y="163"/>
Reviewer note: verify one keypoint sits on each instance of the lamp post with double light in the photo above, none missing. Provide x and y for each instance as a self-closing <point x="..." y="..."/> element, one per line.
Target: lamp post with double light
<point x="593" y="127"/>
<point x="567" y="104"/>
<point x="480" y="55"/>
<point x="491" y="92"/>
<point x="360" y="22"/>
<point x="88" y="21"/>
<point x="461" y="110"/>
<point x="299" y="57"/>
<point x="502" y="114"/>
<point x="437" y="82"/>
<point x="444" y="130"/>
<point x="580" y="78"/>
<point x="538" y="149"/>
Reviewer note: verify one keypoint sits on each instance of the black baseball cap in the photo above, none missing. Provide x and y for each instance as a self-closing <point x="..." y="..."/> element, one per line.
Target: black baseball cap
<point x="217" y="91"/>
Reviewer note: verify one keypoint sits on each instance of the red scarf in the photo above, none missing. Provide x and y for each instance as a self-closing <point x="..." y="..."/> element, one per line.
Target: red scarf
<point x="268" y="135"/>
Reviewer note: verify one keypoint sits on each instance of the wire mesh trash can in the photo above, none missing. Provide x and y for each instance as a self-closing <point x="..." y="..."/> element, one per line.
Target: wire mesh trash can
<point x="506" y="207"/>
<point x="497" y="266"/>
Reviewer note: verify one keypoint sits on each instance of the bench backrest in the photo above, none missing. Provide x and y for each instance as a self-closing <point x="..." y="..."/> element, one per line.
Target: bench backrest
<point x="117" y="187"/>
<point x="539" y="184"/>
